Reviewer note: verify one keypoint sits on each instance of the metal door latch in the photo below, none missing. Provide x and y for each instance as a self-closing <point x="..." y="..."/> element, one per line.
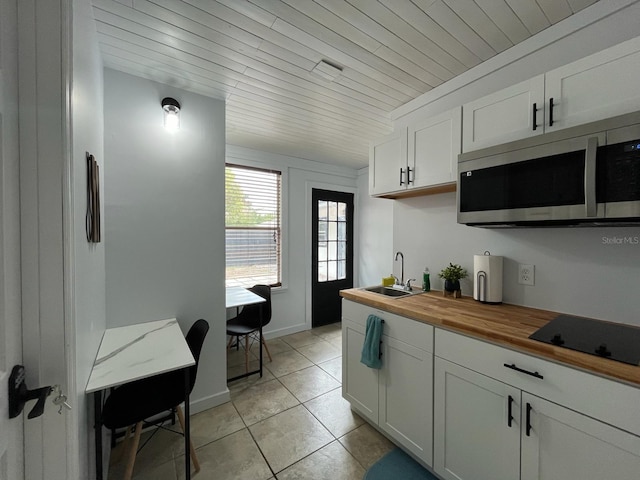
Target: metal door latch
<point x="19" y="394"/>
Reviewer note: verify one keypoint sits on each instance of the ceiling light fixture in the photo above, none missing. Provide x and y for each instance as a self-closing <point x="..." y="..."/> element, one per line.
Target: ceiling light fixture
<point x="171" y="108"/>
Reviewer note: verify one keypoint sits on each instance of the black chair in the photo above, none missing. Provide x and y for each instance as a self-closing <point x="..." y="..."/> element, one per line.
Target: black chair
<point x="250" y="322"/>
<point x="134" y="402"/>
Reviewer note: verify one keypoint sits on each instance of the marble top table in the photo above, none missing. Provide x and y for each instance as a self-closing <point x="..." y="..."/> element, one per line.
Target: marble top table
<point x="240" y="296"/>
<point x="139" y="351"/>
<point x="134" y="352"/>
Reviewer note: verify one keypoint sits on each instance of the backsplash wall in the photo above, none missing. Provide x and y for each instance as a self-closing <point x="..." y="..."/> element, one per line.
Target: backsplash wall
<point x="593" y="272"/>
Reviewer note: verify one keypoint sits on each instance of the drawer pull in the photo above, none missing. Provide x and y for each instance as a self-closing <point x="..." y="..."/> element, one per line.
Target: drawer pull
<point x="529" y="408"/>
<point x="535" y="120"/>
<point x="510" y="413"/>
<point x="521" y="370"/>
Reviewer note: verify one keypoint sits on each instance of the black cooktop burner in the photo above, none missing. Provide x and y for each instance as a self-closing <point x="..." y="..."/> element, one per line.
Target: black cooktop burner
<point x="608" y="340"/>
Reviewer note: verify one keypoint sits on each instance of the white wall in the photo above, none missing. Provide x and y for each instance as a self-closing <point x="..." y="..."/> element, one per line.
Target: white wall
<point x="88" y="258"/>
<point x="577" y="270"/>
<point x="164" y="217"/>
<point x="376" y="255"/>
<point x="291" y="303"/>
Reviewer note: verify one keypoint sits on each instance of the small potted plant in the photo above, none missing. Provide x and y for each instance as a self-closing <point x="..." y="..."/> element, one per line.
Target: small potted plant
<point x="452" y="275"/>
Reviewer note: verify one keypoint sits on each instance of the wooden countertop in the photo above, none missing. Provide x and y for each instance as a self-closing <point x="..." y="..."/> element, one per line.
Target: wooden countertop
<point x="506" y="325"/>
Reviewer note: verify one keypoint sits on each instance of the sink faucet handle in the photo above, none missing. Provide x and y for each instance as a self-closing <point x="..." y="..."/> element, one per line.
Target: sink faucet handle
<point x="408" y="285"/>
<point x="397" y="281"/>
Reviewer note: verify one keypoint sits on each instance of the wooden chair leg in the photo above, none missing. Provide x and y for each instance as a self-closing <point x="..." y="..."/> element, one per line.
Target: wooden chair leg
<point x="123" y="446"/>
<point x="128" y="473"/>
<point x="231" y="337"/>
<point x="192" y="450"/>
<point x="266" y="349"/>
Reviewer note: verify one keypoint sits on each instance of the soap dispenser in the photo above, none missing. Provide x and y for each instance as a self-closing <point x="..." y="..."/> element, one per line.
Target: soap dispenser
<point x="426" y="283"/>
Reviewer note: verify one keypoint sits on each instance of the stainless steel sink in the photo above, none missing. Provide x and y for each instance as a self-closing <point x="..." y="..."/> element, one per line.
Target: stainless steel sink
<point x="390" y="292"/>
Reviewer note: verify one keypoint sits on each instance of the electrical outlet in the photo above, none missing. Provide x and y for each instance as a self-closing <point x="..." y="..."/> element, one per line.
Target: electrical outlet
<point x="526" y="274"/>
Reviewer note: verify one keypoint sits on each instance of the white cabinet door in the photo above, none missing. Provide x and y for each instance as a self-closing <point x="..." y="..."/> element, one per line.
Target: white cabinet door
<point x="504" y="116"/>
<point x="473" y="437"/>
<point x="406" y="396"/>
<point x="434" y="146"/>
<point x="566" y="445"/>
<point x="359" y="382"/>
<point x="596" y="87"/>
<point x="388" y="164"/>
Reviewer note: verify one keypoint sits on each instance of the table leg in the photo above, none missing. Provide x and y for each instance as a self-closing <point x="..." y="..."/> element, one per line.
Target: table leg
<point x="97" y="415"/>
<point x="187" y="426"/>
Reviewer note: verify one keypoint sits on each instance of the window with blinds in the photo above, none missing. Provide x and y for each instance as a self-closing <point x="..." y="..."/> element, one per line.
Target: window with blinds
<point x="253" y="233"/>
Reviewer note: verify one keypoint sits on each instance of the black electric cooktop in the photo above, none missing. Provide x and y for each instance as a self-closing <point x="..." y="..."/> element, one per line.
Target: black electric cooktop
<point x="604" y="339"/>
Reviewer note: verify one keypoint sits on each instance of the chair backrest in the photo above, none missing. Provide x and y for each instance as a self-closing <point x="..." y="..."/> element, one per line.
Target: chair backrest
<point x="195" y="340"/>
<point x="250" y="314"/>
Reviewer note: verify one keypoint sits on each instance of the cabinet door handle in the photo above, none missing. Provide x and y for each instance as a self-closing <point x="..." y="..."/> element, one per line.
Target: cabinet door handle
<point x="522" y="370"/>
<point x="401" y="176"/>
<point x="551" y="112"/>
<point x="529" y="408"/>
<point x="510" y="412"/>
<point x="535" y="120"/>
<point x="409" y="178"/>
<point x="380" y="350"/>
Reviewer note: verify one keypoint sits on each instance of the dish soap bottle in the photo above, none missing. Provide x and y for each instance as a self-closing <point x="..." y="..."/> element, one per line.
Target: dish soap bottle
<point x="426" y="283"/>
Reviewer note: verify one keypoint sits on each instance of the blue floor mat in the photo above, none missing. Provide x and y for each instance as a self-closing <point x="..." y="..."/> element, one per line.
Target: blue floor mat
<point x="397" y="465"/>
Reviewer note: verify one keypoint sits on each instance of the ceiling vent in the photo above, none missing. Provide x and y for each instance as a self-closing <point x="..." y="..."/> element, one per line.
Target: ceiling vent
<point x="326" y="70"/>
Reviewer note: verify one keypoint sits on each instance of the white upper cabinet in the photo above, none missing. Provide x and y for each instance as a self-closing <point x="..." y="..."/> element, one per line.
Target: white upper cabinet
<point x="594" y="88"/>
<point x="417" y="157"/>
<point x="388" y="163"/>
<point x="510" y="114"/>
<point x="434" y="146"/>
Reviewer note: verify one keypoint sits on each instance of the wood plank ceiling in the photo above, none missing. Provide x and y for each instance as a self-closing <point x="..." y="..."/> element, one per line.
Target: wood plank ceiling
<point x="273" y="61"/>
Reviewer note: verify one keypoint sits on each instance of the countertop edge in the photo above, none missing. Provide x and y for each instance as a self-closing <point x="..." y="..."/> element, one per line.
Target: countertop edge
<point x="469" y="317"/>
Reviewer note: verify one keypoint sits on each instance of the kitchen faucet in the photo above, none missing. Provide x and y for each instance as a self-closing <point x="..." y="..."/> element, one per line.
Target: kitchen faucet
<point x="402" y="268"/>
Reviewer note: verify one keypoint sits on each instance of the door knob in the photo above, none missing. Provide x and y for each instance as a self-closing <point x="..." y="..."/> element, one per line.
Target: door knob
<point x="19" y="394"/>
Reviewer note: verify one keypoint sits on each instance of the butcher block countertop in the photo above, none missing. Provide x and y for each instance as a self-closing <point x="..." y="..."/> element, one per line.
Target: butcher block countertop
<point x="506" y="325"/>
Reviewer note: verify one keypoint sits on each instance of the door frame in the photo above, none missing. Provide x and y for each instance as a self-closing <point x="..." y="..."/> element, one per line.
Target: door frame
<point x="46" y="218"/>
<point x="308" y="228"/>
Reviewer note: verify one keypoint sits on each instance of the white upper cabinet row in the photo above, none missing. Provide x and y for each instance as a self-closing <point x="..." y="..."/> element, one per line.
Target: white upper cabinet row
<point x="424" y="155"/>
<point x="600" y="86"/>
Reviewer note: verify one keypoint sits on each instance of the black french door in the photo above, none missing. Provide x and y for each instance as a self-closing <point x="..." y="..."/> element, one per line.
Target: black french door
<point x="332" y="253"/>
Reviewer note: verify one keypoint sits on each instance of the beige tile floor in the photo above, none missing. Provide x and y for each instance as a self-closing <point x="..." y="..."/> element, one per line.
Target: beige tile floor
<point x="290" y="424"/>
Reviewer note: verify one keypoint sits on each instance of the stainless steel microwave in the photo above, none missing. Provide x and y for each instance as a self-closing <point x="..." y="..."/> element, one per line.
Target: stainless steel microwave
<point x="585" y="175"/>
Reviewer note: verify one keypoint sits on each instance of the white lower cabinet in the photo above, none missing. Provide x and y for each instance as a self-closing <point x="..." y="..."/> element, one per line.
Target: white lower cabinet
<point x="473" y="437"/>
<point x="564" y="444"/>
<point x="488" y="429"/>
<point x="398" y="398"/>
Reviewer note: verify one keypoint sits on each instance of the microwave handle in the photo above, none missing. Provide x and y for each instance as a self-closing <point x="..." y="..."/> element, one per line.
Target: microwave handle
<point x="590" y="177"/>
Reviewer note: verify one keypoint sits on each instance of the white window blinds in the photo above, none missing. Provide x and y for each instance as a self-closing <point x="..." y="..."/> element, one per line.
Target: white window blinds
<point x="253" y="230"/>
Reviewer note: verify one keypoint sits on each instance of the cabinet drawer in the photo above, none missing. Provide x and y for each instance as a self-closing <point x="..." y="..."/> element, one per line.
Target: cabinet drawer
<point x="406" y="330"/>
<point x="612" y="402"/>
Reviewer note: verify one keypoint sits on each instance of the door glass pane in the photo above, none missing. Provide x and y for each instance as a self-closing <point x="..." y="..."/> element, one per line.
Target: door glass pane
<point x="332" y="250"/>
<point x="322" y="231"/>
<point x="332" y="234"/>
<point x="322" y="210"/>
<point x="332" y="273"/>
<point x="322" y="271"/>
<point x="333" y="211"/>
<point x="342" y="231"/>
<point x="322" y="251"/>
<point x="342" y="211"/>
<point x="342" y="269"/>
<point x="342" y="250"/>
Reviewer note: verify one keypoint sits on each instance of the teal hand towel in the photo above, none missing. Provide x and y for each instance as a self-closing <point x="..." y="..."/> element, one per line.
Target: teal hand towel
<point x="371" y="348"/>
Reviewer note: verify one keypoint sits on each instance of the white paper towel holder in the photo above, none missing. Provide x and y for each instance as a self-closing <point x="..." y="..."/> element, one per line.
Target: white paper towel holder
<point x="485" y="290"/>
